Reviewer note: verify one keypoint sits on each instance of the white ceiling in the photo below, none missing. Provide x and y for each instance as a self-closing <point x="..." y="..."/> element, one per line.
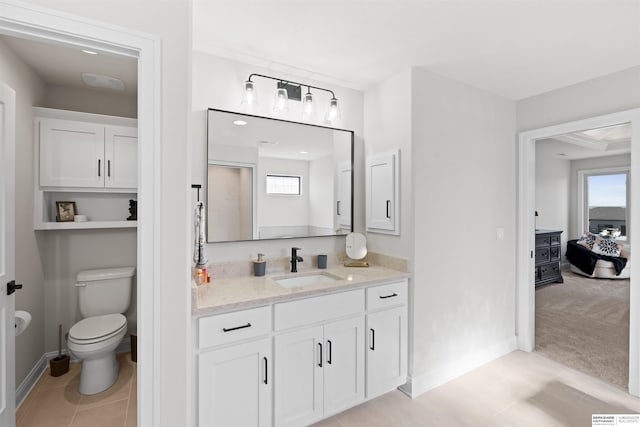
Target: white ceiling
<point x="601" y="142"/>
<point x="513" y="48"/>
<point x="63" y="65"/>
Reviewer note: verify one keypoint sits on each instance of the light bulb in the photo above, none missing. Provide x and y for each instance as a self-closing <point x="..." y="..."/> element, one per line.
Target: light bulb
<point x="281" y="102"/>
<point x="334" y="110"/>
<point x="308" y="107"/>
<point x="249" y="96"/>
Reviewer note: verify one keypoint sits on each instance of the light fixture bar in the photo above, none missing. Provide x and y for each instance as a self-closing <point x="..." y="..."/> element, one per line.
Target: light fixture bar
<point x="292" y="83"/>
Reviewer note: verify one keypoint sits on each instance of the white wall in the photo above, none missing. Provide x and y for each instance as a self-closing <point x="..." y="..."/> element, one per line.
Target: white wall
<point x="30" y="90"/>
<point x="388" y="121"/>
<point x="553" y="178"/>
<point x="217" y="83"/>
<point x="91" y="101"/>
<point x="603" y="95"/>
<point x="169" y="20"/>
<point x="281" y="210"/>
<point x="464" y="175"/>
<point x="575" y="227"/>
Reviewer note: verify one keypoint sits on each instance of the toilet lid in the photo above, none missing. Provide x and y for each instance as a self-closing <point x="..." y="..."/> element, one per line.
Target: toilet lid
<point x="96" y="327"/>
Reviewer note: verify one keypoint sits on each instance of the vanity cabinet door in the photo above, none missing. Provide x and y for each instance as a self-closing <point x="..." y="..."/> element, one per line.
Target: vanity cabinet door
<point x="121" y="157"/>
<point x="234" y="386"/>
<point x="344" y="365"/>
<point x="386" y="351"/>
<point x="299" y="361"/>
<point x="382" y="188"/>
<point x="71" y="154"/>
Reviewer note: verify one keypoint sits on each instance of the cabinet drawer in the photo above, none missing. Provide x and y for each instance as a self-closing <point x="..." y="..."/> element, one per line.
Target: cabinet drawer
<point x="554" y="240"/>
<point x="317" y="309"/>
<point x="542" y="241"/>
<point x="549" y="270"/>
<point x="554" y="253"/>
<point x="235" y="326"/>
<point x="389" y="295"/>
<point x="542" y="255"/>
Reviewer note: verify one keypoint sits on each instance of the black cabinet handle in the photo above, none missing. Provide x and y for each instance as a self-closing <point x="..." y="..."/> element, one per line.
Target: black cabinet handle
<point x="388" y="296"/>
<point x="99" y="163"/>
<point x="109" y="168"/>
<point x="320" y="362"/>
<point x="248" y="325"/>
<point x="266" y="370"/>
<point x="373" y="339"/>
<point x="338" y="207"/>
<point x="329" y="352"/>
<point x="388" y="208"/>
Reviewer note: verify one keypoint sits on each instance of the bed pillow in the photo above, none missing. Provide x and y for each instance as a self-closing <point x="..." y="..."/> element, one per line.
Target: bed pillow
<point x="607" y="247"/>
<point x="587" y="240"/>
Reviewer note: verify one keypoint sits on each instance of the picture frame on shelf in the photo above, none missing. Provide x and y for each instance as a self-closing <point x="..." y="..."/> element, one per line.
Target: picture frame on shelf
<point x="65" y="211"/>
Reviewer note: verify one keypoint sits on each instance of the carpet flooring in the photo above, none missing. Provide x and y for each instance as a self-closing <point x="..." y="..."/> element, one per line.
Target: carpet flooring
<point x="584" y="324"/>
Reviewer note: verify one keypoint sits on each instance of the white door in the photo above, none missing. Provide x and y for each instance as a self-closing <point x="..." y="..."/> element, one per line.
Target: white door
<point x="121" y="157"/>
<point x="343" y="204"/>
<point x="382" y="177"/>
<point x="344" y="365"/>
<point x="299" y="358"/>
<point x="71" y="154"/>
<point x="386" y="351"/>
<point x="234" y="386"/>
<point x="7" y="256"/>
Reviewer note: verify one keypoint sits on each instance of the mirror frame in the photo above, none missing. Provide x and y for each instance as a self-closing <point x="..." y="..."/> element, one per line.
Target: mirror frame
<point x="206" y="174"/>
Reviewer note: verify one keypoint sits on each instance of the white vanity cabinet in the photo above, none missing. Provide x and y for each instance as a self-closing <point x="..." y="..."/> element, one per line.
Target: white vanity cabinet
<point x="87" y="155"/>
<point x="235" y="375"/>
<point x="383" y="192"/>
<point x="386" y="338"/>
<point x="297" y="362"/>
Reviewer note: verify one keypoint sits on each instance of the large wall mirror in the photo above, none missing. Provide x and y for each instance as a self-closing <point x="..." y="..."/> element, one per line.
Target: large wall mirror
<point x="275" y="179"/>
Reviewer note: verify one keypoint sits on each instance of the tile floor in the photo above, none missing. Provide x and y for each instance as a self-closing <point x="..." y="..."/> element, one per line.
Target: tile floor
<point x="55" y="402"/>
<point x="519" y="389"/>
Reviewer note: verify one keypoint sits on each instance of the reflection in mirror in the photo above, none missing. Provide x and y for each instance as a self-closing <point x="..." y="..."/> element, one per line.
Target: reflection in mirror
<point x="273" y="179"/>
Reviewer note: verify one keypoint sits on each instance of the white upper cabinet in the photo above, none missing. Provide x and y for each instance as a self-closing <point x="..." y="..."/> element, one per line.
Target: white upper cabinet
<point x="79" y="154"/>
<point x="121" y="157"/>
<point x="383" y="192"/>
<point x="71" y="154"/>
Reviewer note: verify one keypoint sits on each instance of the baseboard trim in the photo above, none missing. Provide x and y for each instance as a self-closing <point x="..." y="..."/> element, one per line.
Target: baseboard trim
<point x="417" y="385"/>
<point x="23" y="390"/>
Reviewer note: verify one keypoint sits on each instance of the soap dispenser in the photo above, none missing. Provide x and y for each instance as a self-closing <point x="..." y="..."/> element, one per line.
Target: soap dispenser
<point x="259" y="266"/>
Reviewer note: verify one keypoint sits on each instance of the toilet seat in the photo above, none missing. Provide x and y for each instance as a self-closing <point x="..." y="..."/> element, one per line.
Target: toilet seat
<point x="97" y="328"/>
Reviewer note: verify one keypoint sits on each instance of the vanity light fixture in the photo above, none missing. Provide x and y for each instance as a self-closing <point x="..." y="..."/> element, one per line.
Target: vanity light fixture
<point x="287" y="90"/>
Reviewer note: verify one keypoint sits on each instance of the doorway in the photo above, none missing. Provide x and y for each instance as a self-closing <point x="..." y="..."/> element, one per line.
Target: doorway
<point x="40" y="25"/>
<point x="526" y="225"/>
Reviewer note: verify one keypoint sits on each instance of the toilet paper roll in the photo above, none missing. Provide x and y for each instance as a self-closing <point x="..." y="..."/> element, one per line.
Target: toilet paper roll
<point x="22" y="321"/>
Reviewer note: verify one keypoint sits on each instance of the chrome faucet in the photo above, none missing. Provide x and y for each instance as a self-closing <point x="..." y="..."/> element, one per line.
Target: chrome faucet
<point x="295" y="259"/>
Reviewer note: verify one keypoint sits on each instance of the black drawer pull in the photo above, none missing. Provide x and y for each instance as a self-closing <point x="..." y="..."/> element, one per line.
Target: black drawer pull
<point x="320" y="362"/>
<point x="388" y="208"/>
<point x="329" y="345"/>
<point x="248" y="325"/>
<point x="388" y="296"/>
<point x="98" y="167"/>
<point x="373" y="339"/>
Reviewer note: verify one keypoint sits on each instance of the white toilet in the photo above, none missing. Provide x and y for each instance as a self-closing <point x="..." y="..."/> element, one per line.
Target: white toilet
<point x="103" y="295"/>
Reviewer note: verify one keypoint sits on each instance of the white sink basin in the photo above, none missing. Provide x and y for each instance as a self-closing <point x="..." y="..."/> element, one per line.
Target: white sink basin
<point x="306" y="280"/>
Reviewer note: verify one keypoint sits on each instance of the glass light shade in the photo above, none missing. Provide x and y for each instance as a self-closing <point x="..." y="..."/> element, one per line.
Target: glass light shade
<point x="308" y="107"/>
<point x="334" y="110"/>
<point x="281" y="101"/>
<point x="249" y="95"/>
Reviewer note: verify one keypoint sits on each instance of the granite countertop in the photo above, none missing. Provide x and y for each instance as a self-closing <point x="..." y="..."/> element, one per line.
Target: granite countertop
<point x="232" y="293"/>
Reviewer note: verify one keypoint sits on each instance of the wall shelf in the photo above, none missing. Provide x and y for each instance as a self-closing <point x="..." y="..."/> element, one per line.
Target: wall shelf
<point x="85" y="225"/>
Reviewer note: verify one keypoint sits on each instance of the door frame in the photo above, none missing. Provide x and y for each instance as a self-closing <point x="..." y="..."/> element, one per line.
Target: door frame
<point x="525" y="291"/>
<point x="37" y="23"/>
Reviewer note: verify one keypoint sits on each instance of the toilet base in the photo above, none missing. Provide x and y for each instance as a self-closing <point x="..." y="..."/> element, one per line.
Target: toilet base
<point x="97" y="375"/>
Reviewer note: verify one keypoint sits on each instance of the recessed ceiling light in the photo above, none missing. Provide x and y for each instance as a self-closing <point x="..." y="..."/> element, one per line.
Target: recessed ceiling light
<point x="102" y="82"/>
<point x="268" y="142"/>
<point x="90" y="52"/>
<point x="239" y="122"/>
<point x="562" y="155"/>
<point x="304" y="152"/>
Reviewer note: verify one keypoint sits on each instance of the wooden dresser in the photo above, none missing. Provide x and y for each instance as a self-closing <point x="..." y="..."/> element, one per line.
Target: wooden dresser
<point x="548" y="256"/>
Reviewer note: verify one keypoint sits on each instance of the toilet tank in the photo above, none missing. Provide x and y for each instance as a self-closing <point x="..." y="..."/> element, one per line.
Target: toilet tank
<point x="104" y="291"/>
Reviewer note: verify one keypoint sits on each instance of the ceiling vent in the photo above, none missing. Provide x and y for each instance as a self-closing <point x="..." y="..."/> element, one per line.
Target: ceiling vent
<point x="102" y="82"/>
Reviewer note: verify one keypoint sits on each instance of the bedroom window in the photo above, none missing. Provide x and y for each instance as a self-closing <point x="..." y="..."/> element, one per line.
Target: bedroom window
<point x="283" y="184"/>
<point x="606" y="199"/>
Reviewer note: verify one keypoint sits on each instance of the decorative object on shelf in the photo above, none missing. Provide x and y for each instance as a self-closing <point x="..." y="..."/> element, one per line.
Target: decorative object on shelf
<point x="80" y="218"/>
<point x="133" y="210"/>
<point x="259" y="266"/>
<point x="288" y="90"/>
<point x="65" y="211"/>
